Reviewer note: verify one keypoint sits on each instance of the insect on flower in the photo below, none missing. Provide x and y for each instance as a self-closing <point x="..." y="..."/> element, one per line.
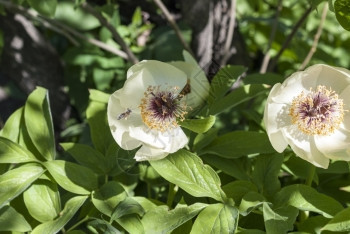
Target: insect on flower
<point x="125" y="114"/>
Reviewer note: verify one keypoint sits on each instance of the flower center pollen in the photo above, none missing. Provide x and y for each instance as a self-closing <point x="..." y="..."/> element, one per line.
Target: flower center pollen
<point x="318" y="112"/>
<point x="162" y="108"/>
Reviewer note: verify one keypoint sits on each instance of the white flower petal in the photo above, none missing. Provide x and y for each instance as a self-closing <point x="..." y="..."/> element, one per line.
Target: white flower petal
<point x="304" y="146"/>
<point x="275" y="117"/>
<point x="147" y="152"/>
<point x="198" y="82"/>
<point x="333" y="77"/>
<point x="335" y="146"/>
<point x="297" y="83"/>
<point x="169" y="141"/>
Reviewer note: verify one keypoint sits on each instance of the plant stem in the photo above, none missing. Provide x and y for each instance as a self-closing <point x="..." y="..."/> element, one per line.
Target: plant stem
<point x="78" y="223"/>
<point x="131" y="57"/>
<point x="316" y="38"/>
<point x="310" y="176"/>
<point x="289" y="38"/>
<point x="173" y="24"/>
<point x="171" y="195"/>
<point x="230" y="32"/>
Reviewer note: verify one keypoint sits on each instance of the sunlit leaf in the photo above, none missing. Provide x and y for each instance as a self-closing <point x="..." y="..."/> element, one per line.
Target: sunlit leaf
<point x="11" y="220"/>
<point x="11" y="152"/>
<point x="44" y="7"/>
<point x="280" y="220"/>
<point x="199" y="125"/>
<point x="187" y="170"/>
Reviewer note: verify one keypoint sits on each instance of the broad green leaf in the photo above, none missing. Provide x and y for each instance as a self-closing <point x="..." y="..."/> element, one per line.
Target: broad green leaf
<point x="237" y="189"/>
<point x="265" y="174"/>
<point x="298" y="167"/>
<point x="313" y="224"/>
<point x="15" y="181"/>
<point x="67" y="13"/>
<point x="342" y="12"/>
<point x="87" y="156"/>
<point x="102" y="226"/>
<point x="340" y="222"/>
<point x="238" y="143"/>
<point x="223" y="81"/>
<point x="11" y="152"/>
<point x="187" y="170"/>
<point x="72" y="177"/>
<point x="98" y="96"/>
<point x="307" y="199"/>
<point x="250" y="201"/>
<point x="236" y="168"/>
<point x="99" y="129"/>
<point x="38" y="121"/>
<point x="44" y="7"/>
<point x="107" y="198"/>
<point x="163" y="220"/>
<point x="267" y="78"/>
<point x="131" y="223"/>
<point x="216" y="218"/>
<point x="11" y="220"/>
<point x="203" y="139"/>
<point x="42" y="200"/>
<point x="11" y="129"/>
<point x="279" y="220"/>
<point x="199" y="125"/>
<point x="237" y="96"/>
<point x="70" y="208"/>
<point x="249" y="231"/>
<point x="126" y="207"/>
<point x="145" y="203"/>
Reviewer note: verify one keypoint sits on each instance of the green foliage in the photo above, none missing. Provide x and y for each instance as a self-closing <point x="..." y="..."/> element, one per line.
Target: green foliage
<point x="228" y="179"/>
<point x="342" y="12"/>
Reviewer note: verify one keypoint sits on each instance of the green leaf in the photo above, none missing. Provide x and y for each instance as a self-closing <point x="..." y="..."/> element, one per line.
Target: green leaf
<point x="237" y="189"/>
<point x="72" y="177"/>
<point x="340" y="222"/>
<point x="267" y="78"/>
<point x="161" y="220"/>
<point x="313" y="224"/>
<point x="216" y="218"/>
<point x="237" y="168"/>
<point x="70" y="208"/>
<point x="99" y="129"/>
<point x="223" y="81"/>
<point x="280" y="220"/>
<point x="342" y="12"/>
<point x="199" y="125"/>
<point x="11" y="152"/>
<point x="73" y="16"/>
<point x="107" y="198"/>
<point x="265" y="174"/>
<point x="203" y="139"/>
<point x="307" y="199"/>
<point x="98" y="96"/>
<point x="237" y="96"/>
<point x="126" y="207"/>
<point x="11" y="220"/>
<point x="11" y="129"/>
<point x="44" y="7"/>
<point x="250" y="201"/>
<point x="101" y="226"/>
<point x="87" y="156"/>
<point x="38" y="121"/>
<point x="187" y="170"/>
<point x="42" y="200"/>
<point x="15" y="181"/>
<point x="131" y="223"/>
<point x="238" y="143"/>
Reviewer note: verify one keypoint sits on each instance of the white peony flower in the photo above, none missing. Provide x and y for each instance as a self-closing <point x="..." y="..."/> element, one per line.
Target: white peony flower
<point x="310" y="112"/>
<point x="146" y="111"/>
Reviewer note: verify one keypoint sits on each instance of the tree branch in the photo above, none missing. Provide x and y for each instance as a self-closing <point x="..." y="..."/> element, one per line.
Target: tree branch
<point x="316" y="38"/>
<point x="289" y="38"/>
<point x="230" y="32"/>
<point x="267" y="56"/>
<point x="131" y="57"/>
<point x="173" y="24"/>
<point x="62" y="29"/>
